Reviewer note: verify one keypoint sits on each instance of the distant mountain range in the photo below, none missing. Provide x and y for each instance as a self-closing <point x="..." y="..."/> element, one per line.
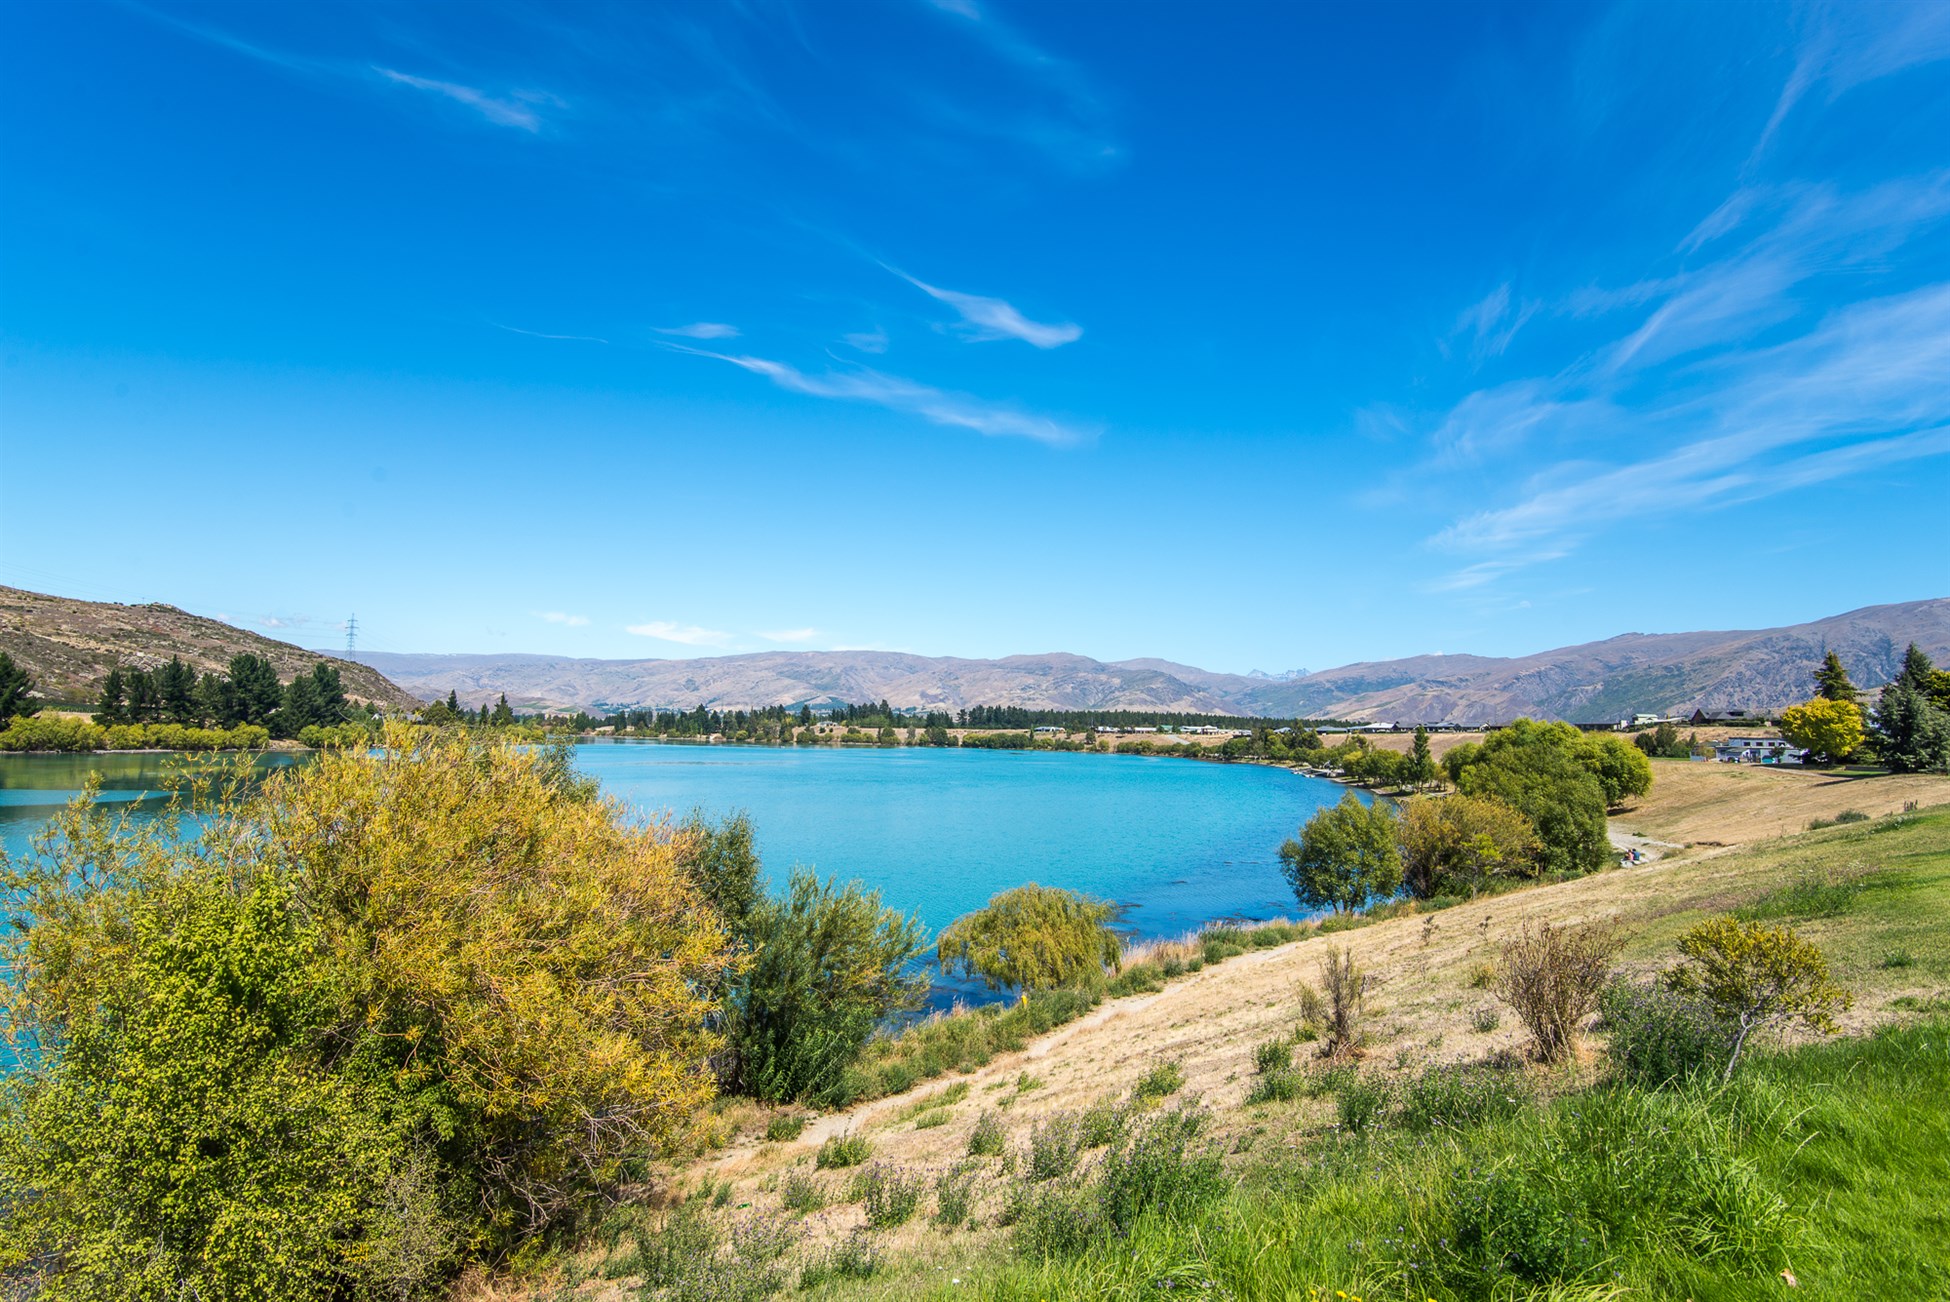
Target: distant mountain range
<point x="1650" y="672"/>
<point x="68" y="647"/>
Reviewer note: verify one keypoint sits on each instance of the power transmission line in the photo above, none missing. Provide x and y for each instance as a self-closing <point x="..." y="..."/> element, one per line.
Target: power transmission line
<point x="351" y="636"/>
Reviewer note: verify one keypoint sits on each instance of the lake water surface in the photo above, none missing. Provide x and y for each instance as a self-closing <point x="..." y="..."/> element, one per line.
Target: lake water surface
<point x="1176" y="843"/>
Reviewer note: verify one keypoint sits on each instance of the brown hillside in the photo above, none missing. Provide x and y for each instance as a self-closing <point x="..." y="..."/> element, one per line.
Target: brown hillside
<point x="69" y="646"/>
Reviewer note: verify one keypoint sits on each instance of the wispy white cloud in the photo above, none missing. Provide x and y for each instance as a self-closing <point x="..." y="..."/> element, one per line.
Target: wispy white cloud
<point x="1070" y="125"/>
<point x="791" y="635"/>
<point x="1843" y="46"/>
<point x="1868" y="387"/>
<point x="285" y="621"/>
<point x="683" y="634"/>
<point x="560" y="617"/>
<point x="956" y="410"/>
<point x="538" y="334"/>
<point x="868" y="341"/>
<point x="1682" y="410"/>
<point x="994" y="318"/>
<point x="520" y="109"/>
<point x="700" y="330"/>
<point x="1492" y="322"/>
<point x="516" y="110"/>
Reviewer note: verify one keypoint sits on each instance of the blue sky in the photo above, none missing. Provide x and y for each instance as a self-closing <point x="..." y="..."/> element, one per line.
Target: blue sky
<point x="1248" y="336"/>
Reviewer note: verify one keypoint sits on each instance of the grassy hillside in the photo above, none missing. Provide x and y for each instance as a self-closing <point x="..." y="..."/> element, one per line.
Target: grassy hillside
<point x="68" y="646"/>
<point x="1442" y="1167"/>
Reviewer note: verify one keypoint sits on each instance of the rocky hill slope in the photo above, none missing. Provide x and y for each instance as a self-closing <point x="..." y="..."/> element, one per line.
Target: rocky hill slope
<point x="1658" y="672"/>
<point x="68" y="646"/>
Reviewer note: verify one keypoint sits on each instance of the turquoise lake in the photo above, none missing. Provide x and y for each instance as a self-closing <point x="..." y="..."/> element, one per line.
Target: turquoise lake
<point x="1175" y="843"/>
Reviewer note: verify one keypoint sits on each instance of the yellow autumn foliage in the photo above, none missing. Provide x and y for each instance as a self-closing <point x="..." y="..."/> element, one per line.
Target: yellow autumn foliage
<point x="531" y="954"/>
<point x="335" y="1036"/>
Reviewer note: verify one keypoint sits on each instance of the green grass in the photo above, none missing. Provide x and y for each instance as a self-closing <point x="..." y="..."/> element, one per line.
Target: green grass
<point x="1831" y="1161"/>
<point x="1862" y="891"/>
<point x="840" y="1151"/>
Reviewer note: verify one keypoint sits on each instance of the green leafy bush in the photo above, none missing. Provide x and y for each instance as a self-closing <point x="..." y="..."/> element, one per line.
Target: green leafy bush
<point x="989" y="1137"/>
<point x="355" y="1030"/>
<point x="1053" y="1221"/>
<point x="841" y="1151"/>
<point x="889" y="1195"/>
<point x="1164" y="1079"/>
<point x="801" y="1191"/>
<point x="829" y="964"/>
<point x="954" y="1195"/>
<point x="1272" y="1056"/>
<point x="1280" y="1085"/>
<point x="1054" y="1145"/>
<point x="1161" y="1168"/>
<point x="1362" y="1102"/>
<point x="1659" y="1037"/>
<point x="1101" y="1123"/>
<point x="853" y="1257"/>
<point x="783" y="1127"/>
<point x="32" y="733"/>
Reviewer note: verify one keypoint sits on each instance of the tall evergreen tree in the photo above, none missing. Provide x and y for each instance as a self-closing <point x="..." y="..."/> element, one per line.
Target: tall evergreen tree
<point x="214" y="699"/>
<point x="176" y="688"/>
<point x="504" y="713"/>
<point x="301" y="707"/>
<point x="14" y="687"/>
<point x="1421" y="764"/>
<point x="112" y="705"/>
<point x="255" y="689"/>
<point x="453" y="703"/>
<point x="145" y="706"/>
<point x="332" y="705"/>
<point x="1912" y="731"/>
<point x="1832" y="682"/>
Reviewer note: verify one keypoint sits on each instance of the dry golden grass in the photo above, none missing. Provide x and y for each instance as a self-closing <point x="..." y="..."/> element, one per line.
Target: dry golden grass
<point x="1707" y="804"/>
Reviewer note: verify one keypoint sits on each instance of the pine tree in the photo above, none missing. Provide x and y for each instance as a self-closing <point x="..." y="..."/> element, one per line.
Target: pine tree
<point x="1421" y="763"/>
<point x="300" y="708"/>
<point x="1912" y="732"/>
<point x="1831" y="680"/>
<point x="176" y="687"/>
<point x="332" y="705"/>
<point x="214" y="703"/>
<point x="256" y="692"/>
<point x="453" y="703"/>
<point x="504" y="713"/>
<point x="112" y="706"/>
<point x="144" y="704"/>
<point x="14" y="687"/>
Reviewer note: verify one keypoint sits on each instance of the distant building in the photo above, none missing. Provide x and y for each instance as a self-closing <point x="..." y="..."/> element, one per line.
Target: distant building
<point x="1758" y="750"/>
<point x="1724" y="717"/>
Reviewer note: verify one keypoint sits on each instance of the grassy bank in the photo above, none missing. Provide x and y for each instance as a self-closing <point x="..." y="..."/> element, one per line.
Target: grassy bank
<point x="1443" y="1166"/>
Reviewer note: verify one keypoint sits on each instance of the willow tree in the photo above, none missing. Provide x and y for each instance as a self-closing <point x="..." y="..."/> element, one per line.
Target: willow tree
<point x="1033" y="938"/>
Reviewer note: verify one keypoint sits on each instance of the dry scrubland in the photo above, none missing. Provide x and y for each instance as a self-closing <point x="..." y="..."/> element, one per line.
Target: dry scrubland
<point x="1424" y="1005"/>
